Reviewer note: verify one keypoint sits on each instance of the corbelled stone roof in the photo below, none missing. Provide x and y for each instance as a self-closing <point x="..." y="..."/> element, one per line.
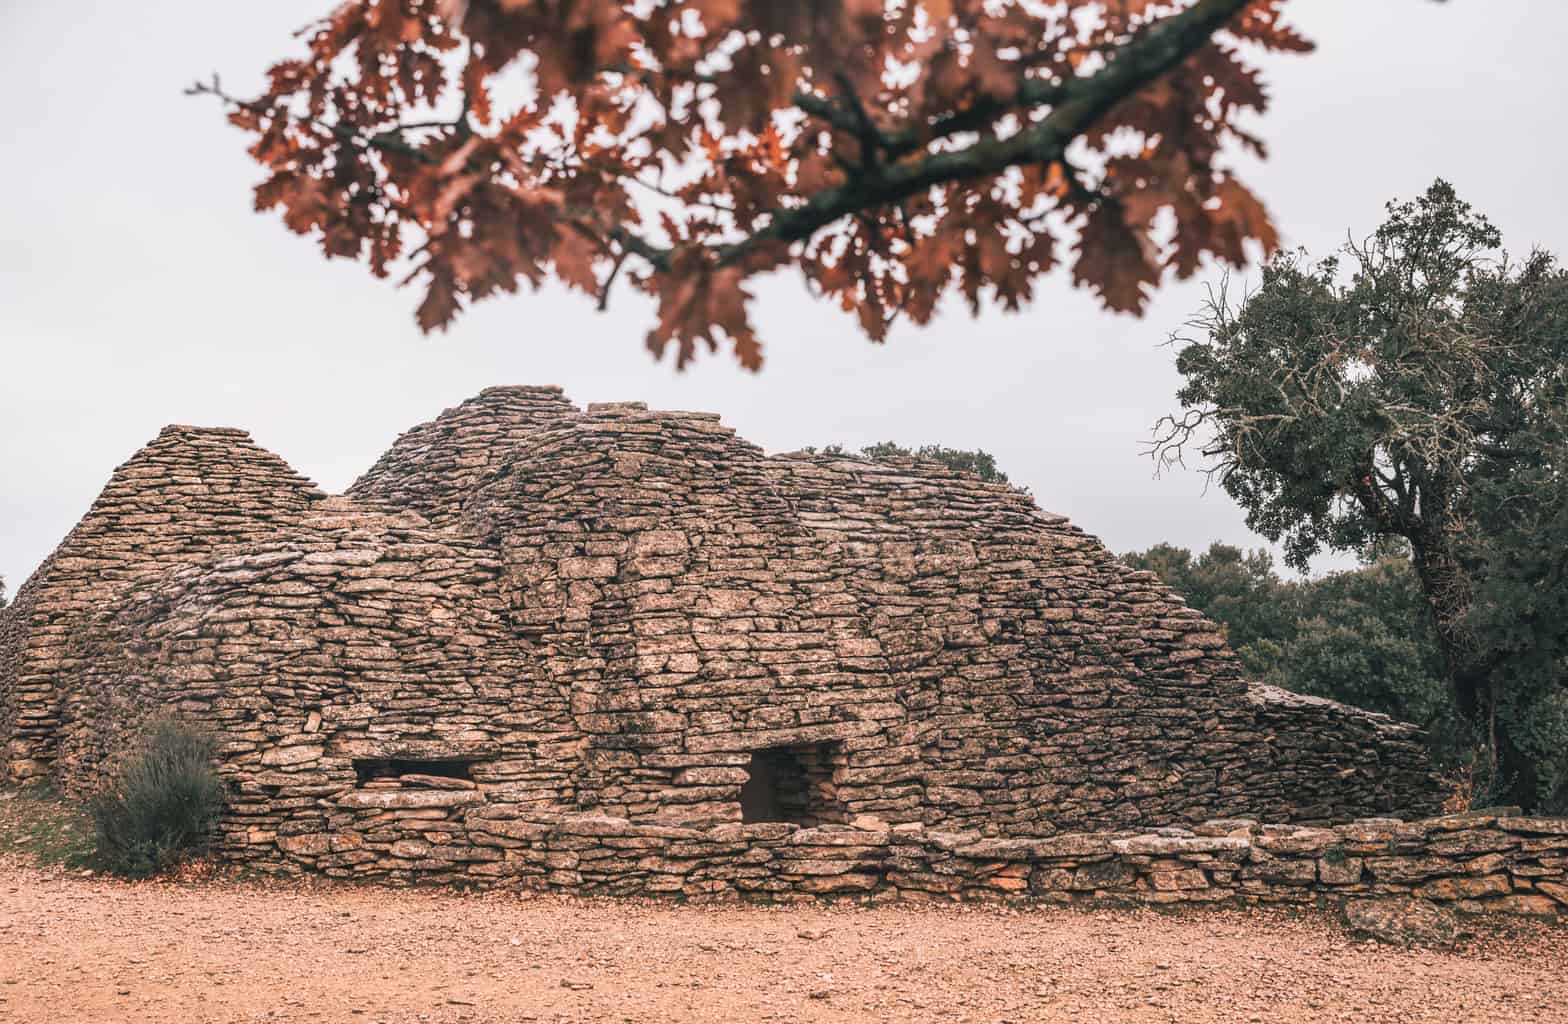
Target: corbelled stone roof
<point x="188" y="496"/>
<point x="432" y="468"/>
<point x="613" y="609"/>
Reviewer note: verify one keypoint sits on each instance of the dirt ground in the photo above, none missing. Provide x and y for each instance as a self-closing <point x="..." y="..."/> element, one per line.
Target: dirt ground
<point x="77" y="948"/>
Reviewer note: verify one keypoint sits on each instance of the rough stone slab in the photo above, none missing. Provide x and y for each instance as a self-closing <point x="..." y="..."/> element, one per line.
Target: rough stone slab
<point x="408" y="799"/>
<point x="1403" y="922"/>
<point x="1161" y="846"/>
<point x="1535" y="826"/>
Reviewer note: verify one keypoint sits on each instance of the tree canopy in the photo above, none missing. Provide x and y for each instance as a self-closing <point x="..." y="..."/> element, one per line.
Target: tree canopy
<point x="895" y="151"/>
<point x="1413" y="386"/>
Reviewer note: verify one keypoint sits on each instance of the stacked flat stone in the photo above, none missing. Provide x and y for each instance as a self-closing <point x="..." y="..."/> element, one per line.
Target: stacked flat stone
<point x="603" y="615"/>
<point x="190" y="495"/>
<point x="970" y="660"/>
<point x="1482" y="863"/>
<point x="433" y="468"/>
<point x="1318" y="748"/>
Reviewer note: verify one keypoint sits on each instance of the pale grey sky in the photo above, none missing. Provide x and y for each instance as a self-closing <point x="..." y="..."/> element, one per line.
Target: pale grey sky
<point x="137" y="288"/>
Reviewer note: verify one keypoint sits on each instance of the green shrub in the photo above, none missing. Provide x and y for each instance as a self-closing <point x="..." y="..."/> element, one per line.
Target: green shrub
<point x="162" y="804"/>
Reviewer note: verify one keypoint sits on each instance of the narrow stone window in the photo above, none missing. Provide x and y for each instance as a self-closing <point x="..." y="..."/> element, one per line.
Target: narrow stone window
<point x="791" y="784"/>
<point x="390" y="769"/>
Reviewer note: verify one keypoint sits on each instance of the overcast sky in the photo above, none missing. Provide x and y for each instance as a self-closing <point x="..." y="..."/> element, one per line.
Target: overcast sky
<point x="137" y="288"/>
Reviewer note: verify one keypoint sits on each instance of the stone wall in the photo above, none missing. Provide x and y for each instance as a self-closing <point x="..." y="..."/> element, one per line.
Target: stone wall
<point x="433" y="468"/>
<point x="1483" y="862"/>
<point x="627" y="613"/>
<point x="188" y="496"/>
<point x="27" y="718"/>
<point x="964" y="657"/>
<point x="1318" y="751"/>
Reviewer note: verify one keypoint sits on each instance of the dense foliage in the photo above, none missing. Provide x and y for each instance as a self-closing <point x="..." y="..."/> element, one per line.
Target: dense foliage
<point x="895" y="151"/>
<point x="1414" y="387"/>
<point x="162" y="804"/>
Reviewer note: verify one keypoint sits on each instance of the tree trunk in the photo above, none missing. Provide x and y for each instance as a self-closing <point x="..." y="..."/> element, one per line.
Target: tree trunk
<point x="1471" y="669"/>
<point x="1518" y="781"/>
<point x="1448" y="590"/>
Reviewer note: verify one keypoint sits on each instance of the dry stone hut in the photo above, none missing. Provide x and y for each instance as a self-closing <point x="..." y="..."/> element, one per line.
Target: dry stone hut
<point x="534" y="638"/>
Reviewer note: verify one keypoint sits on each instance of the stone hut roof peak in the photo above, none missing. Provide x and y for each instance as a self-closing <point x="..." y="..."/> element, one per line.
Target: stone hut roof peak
<point x="434" y="467"/>
<point x="201" y="431"/>
<point x="519" y="389"/>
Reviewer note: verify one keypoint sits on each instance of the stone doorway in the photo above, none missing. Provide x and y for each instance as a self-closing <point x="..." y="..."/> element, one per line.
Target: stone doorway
<point x="791" y="784"/>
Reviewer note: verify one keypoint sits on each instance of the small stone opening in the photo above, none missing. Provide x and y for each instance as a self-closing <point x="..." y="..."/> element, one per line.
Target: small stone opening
<point x="390" y="769"/>
<point x="791" y="784"/>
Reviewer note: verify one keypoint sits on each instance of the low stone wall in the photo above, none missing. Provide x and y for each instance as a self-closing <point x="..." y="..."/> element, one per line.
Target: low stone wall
<point x="1328" y="762"/>
<point x="1477" y="862"/>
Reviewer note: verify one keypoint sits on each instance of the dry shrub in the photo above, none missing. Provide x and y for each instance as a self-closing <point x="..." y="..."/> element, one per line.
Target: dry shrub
<point x="162" y="805"/>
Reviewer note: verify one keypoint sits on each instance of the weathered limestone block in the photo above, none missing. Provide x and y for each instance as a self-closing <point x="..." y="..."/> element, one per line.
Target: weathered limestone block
<point x="834" y="884"/>
<point x="1106" y="874"/>
<point x="1280" y="870"/>
<point x="1165" y="846"/>
<point x="289" y="756"/>
<point x="1292" y="841"/>
<point x="839" y="837"/>
<point x="1518" y="904"/>
<point x="1535" y="826"/>
<point x="1403" y="922"/>
<point x="409" y="799"/>
<point x="1407" y="869"/>
<point x="1471" y="841"/>
<point x="1465" y="888"/>
<point x="305" y="845"/>
<point x="1166" y="878"/>
<point x="1339" y="871"/>
<point x="1556" y="890"/>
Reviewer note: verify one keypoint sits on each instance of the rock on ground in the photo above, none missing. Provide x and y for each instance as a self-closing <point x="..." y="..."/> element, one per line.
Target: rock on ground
<point x="1403" y="922"/>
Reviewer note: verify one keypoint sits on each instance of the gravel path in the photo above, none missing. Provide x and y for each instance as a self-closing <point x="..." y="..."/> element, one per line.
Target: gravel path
<point x="84" y="949"/>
